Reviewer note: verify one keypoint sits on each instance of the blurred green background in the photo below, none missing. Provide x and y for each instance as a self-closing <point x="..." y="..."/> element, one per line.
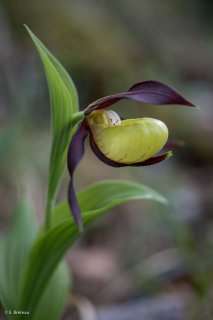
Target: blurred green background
<point x="140" y="250"/>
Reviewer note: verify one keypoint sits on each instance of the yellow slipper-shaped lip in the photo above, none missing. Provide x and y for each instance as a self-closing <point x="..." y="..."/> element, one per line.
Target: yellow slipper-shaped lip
<point x="128" y="141"/>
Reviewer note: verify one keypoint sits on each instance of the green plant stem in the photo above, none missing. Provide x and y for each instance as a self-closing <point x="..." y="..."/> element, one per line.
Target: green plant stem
<point x="48" y="212"/>
<point x="77" y="117"/>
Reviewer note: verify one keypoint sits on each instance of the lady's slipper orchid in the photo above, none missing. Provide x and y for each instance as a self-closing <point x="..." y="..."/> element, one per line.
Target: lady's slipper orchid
<point x="119" y="143"/>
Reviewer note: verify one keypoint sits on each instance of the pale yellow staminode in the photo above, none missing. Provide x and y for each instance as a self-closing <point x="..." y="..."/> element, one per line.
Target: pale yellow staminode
<point x="128" y="141"/>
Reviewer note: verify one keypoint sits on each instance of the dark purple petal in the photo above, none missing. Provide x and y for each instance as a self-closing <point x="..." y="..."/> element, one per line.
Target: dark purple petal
<point x="156" y="92"/>
<point x="115" y="164"/>
<point x="150" y="92"/>
<point x="75" y="154"/>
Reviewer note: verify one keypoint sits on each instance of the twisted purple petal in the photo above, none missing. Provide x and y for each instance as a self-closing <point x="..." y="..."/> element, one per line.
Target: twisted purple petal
<point x="150" y="92"/>
<point x="75" y="154"/>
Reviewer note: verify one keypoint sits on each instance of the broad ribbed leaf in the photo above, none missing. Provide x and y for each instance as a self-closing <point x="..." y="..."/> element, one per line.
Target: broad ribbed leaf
<point x="103" y="196"/>
<point x="14" y="248"/>
<point x="55" y="295"/>
<point x="64" y="103"/>
<point x="51" y="247"/>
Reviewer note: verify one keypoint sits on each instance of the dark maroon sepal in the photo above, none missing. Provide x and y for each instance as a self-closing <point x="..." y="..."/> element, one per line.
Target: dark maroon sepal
<point x="111" y="163"/>
<point x="173" y="143"/>
<point x="153" y="160"/>
<point x="149" y="92"/>
<point x="75" y="154"/>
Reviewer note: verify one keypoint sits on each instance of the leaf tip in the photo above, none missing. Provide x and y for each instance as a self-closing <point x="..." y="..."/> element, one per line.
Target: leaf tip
<point x="80" y="229"/>
<point x="197" y="107"/>
<point x="27" y="28"/>
<point x="169" y="154"/>
<point x="163" y="201"/>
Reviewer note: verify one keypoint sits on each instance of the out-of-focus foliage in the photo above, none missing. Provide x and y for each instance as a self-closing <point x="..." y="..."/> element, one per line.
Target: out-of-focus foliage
<point x="15" y="247"/>
<point x="106" y="46"/>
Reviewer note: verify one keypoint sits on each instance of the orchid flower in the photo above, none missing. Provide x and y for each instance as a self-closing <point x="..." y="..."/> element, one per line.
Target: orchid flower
<point x="119" y="143"/>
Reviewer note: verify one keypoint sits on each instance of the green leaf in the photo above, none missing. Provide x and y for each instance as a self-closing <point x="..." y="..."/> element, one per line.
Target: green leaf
<point x="51" y="246"/>
<point x="14" y="248"/>
<point x="43" y="260"/>
<point x="55" y="295"/>
<point x="64" y="103"/>
<point x="104" y="195"/>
